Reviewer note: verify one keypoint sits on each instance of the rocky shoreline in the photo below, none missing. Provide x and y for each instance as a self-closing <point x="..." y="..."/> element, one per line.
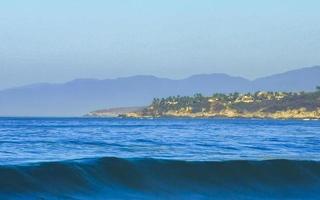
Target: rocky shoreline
<point x="264" y="105"/>
<point x="289" y="114"/>
<point x="273" y="105"/>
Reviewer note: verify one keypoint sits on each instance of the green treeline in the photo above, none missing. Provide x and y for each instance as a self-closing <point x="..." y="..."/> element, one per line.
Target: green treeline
<point x="262" y="102"/>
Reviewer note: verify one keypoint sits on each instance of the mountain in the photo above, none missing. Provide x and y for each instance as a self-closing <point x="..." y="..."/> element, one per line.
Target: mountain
<point x="80" y="96"/>
<point x="297" y="80"/>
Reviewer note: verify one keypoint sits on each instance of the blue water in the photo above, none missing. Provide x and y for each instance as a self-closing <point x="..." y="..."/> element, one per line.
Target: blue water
<point x="87" y="158"/>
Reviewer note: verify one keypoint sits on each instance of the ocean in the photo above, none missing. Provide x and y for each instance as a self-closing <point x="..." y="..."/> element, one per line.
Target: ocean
<point x="111" y="158"/>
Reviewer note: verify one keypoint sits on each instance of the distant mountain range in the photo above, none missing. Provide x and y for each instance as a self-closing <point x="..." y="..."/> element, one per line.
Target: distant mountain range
<point x="80" y="96"/>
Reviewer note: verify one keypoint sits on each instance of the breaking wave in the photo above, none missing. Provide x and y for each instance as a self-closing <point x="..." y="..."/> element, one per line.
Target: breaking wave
<point x="116" y="178"/>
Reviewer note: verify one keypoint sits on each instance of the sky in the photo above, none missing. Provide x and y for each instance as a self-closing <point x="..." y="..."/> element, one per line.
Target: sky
<point x="57" y="41"/>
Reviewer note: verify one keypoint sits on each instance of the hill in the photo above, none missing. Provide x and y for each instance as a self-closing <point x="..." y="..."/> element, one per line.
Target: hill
<point x="114" y="112"/>
<point x="81" y="96"/>
<point x="278" y="105"/>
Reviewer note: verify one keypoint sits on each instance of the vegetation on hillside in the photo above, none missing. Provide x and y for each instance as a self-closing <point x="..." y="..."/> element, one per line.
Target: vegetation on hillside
<point x="258" y="104"/>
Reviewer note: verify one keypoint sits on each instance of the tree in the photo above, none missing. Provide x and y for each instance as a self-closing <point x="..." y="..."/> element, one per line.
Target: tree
<point x="198" y="95"/>
<point x="318" y="88"/>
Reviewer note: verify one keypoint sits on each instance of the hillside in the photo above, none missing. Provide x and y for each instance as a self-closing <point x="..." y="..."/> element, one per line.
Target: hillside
<point x="278" y="105"/>
<point x="81" y="96"/>
<point x="114" y="112"/>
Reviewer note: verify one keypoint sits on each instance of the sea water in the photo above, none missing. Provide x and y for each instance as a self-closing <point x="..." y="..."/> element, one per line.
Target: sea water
<point x="101" y="158"/>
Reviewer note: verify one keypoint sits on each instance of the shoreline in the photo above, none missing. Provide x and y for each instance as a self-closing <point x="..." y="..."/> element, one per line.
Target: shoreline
<point x="212" y="117"/>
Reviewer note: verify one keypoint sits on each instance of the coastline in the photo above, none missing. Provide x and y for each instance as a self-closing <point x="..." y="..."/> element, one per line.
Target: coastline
<point x="210" y="117"/>
<point x="263" y="105"/>
<point x="298" y="114"/>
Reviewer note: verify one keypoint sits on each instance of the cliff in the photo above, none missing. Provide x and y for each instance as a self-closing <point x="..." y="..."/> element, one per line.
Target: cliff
<point x="276" y="105"/>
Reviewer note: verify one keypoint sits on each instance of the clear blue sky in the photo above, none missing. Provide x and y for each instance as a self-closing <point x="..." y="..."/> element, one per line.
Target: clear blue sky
<point x="56" y="41"/>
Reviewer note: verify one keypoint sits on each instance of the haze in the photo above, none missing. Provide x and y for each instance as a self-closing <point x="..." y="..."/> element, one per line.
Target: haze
<point x="57" y="41"/>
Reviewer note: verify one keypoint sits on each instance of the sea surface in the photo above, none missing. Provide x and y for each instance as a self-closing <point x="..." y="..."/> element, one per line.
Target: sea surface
<point x="92" y="158"/>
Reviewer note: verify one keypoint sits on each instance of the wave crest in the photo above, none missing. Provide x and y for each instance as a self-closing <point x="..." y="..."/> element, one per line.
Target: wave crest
<point x="116" y="176"/>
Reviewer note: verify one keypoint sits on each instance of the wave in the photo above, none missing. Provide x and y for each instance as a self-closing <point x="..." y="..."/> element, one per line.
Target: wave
<point x="116" y="178"/>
